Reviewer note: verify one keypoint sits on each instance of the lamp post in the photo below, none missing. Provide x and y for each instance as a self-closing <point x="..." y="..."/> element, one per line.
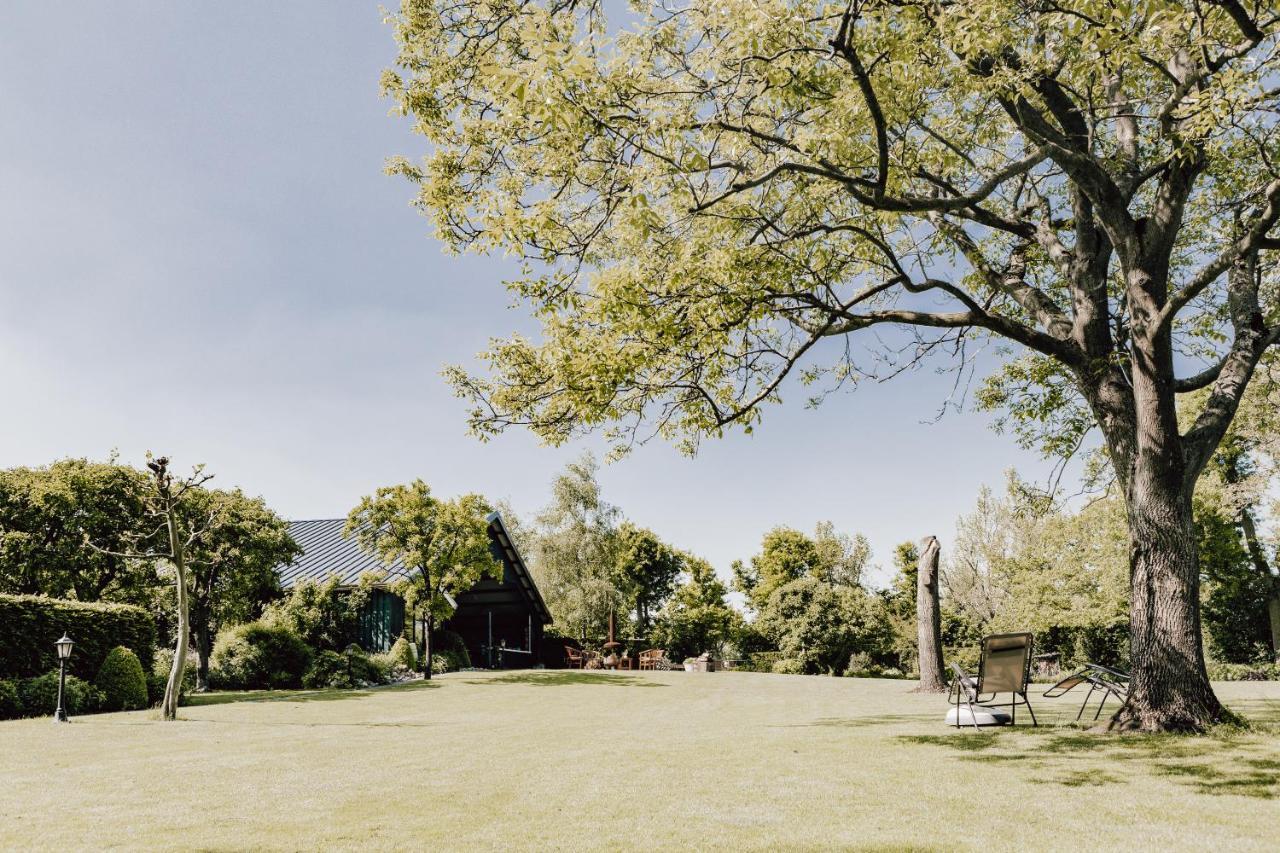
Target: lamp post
<point x="64" y="647"/>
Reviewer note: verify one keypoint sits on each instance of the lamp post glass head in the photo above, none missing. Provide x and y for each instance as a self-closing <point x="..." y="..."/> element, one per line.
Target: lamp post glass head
<point x="64" y="647"/>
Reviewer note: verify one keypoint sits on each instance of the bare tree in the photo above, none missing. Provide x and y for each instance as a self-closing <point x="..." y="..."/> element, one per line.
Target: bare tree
<point x="172" y="540"/>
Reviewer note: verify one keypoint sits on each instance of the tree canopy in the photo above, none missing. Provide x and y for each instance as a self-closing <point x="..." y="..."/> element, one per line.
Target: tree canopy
<point x="713" y="197"/>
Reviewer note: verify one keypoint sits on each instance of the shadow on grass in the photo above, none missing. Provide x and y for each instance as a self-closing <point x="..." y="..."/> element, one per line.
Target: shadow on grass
<point x="1163" y="755"/>
<point x="861" y="722"/>
<point x="204" y="700"/>
<point x="561" y="678"/>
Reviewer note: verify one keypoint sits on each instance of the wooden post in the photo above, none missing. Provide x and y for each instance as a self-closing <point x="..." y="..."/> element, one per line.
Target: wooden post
<point x="929" y="620"/>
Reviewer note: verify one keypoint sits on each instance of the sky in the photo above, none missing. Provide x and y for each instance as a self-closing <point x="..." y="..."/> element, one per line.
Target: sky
<point x="201" y="256"/>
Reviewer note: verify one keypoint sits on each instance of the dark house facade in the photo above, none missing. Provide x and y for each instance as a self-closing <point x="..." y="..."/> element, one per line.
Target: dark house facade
<point x="500" y="622"/>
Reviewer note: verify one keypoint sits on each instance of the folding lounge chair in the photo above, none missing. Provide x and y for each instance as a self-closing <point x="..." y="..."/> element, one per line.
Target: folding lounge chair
<point x="1005" y="667"/>
<point x="1111" y="683"/>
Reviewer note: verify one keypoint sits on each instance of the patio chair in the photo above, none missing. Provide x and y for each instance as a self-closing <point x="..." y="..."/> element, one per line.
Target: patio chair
<point x="1005" y="667"/>
<point x="1111" y="683"/>
<point x="649" y="658"/>
<point x="574" y="658"/>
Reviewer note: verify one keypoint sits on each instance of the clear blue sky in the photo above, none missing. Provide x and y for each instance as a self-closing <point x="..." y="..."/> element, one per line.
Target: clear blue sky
<point x="200" y="255"/>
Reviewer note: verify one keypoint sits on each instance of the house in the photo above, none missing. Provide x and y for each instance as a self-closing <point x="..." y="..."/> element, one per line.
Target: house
<point x="500" y="622"/>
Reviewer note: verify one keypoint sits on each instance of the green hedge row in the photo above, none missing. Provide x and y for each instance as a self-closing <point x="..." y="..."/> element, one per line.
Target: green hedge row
<point x="30" y="624"/>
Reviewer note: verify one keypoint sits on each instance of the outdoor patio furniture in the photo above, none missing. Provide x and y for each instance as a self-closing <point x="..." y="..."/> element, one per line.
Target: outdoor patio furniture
<point x="649" y="658"/>
<point x="1004" y="667"/>
<point x="575" y="658"/>
<point x="1112" y="683"/>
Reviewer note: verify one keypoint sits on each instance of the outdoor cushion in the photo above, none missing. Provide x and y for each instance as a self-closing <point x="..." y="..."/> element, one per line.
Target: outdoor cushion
<point x="985" y="716"/>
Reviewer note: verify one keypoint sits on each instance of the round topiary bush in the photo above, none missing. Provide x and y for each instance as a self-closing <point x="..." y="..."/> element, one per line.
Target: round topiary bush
<point x="121" y="681"/>
<point x="402" y="653"/>
<point x="256" y="656"/>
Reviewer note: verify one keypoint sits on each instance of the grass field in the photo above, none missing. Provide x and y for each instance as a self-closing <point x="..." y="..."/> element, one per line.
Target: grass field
<point x="571" y="760"/>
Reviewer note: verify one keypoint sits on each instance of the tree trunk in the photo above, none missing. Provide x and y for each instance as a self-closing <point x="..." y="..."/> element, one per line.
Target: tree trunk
<point x="929" y="620"/>
<point x="1259" y="558"/>
<point x="1170" y="688"/>
<point x="204" y="648"/>
<point x="169" y="708"/>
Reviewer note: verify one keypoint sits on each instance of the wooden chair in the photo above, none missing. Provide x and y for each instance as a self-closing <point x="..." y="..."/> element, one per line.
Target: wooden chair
<point x="575" y="658"/>
<point x="649" y="658"/>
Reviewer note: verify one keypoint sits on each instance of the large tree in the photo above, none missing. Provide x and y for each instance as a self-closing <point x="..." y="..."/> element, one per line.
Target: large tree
<point x="712" y="197"/>
<point x="646" y="571"/>
<point x="45" y="514"/>
<point x="443" y="543"/>
<point x="233" y="566"/>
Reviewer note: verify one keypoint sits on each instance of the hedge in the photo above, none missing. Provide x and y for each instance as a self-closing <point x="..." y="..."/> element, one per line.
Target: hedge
<point x="30" y="624"/>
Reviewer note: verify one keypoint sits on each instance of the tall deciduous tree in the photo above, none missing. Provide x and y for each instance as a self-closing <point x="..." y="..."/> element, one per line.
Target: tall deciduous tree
<point x="697" y="619"/>
<point x="445" y="544"/>
<point x="726" y="194"/>
<point x="647" y="569"/>
<point x="45" y="514"/>
<point x="575" y="553"/>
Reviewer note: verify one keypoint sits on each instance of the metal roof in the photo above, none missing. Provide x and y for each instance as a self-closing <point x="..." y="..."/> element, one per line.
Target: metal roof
<point x="327" y="553"/>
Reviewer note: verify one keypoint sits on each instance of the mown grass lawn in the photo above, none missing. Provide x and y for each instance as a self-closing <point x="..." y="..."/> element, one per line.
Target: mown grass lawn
<point x="575" y="760"/>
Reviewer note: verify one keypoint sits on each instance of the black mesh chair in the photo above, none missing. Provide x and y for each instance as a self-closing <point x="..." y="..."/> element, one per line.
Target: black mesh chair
<point x="1111" y="683"/>
<point x="1005" y="667"/>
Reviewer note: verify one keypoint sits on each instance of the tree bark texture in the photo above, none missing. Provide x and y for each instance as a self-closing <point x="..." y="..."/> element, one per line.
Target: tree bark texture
<point x="929" y="620"/>
<point x="204" y="649"/>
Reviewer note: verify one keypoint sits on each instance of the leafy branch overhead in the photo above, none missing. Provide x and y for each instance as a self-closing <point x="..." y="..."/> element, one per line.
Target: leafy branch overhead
<point x="709" y="198"/>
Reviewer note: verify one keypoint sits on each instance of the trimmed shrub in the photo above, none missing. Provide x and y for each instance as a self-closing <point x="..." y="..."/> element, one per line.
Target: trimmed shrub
<point x="789" y="666"/>
<point x="38" y="696"/>
<point x="255" y="656"/>
<point x="10" y="705"/>
<point x="122" y="682"/>
<point x="350" y="668"/>
<point x="403" y="654"/>
<point x="29" y="625"/>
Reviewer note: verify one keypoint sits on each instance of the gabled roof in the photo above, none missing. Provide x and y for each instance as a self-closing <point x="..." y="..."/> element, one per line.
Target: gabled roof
<point x="327" y="553"/>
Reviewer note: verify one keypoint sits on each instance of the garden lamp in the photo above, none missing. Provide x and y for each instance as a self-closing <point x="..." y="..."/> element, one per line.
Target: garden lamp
<point x="64" y="647"/>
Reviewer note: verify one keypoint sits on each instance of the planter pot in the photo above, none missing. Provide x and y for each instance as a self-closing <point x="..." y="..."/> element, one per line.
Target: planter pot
<point x="689" y="667"/>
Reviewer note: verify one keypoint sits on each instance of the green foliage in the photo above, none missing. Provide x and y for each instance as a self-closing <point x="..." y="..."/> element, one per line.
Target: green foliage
<point x="819" y="625"/>
<point x="646" y="572"/>
<point x="47" y="513"/>
<point x="696" y="619"/>
<point x="259" y="655"/>
<point x="29" y="625"/>
<point x="352" y="667"/>
<point x="575" y="553"/>
<point x="325" y="614"/>
<point x="450" y="652"/>
<point x="122" y="681"/>
<point x="38" y="696"/>
<point x="402" y="653"/>
<point x="10" y="704"/>
<point x="158" y="677"/>
<point x="787" y="554"/>
<point x="444" y="543"/>
<point x="1243" y="671"/>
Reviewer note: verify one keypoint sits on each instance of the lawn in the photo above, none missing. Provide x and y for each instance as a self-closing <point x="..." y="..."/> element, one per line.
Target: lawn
<point x="574" y="760"/>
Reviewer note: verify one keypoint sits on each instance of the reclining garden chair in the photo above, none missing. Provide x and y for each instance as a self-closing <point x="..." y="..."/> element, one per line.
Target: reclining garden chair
<point x="1112" y="683"/>
<point x="1005" y="667"/>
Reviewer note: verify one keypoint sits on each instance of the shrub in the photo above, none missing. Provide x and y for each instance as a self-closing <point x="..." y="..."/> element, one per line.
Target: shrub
<point x="328" y="669"/>
<point x="452" y="643"/>
<point x="29" y="625"/>
<point x="789" y="666"/>
<point x="38" y="696"/>
<point x="1243" y="671"/>
<point x="258" y="655"/>
<point x="10" y="705"/>
<point x="350" y="668"/>
<point x="403" y="654"/>
<point x="121" y="681"/>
